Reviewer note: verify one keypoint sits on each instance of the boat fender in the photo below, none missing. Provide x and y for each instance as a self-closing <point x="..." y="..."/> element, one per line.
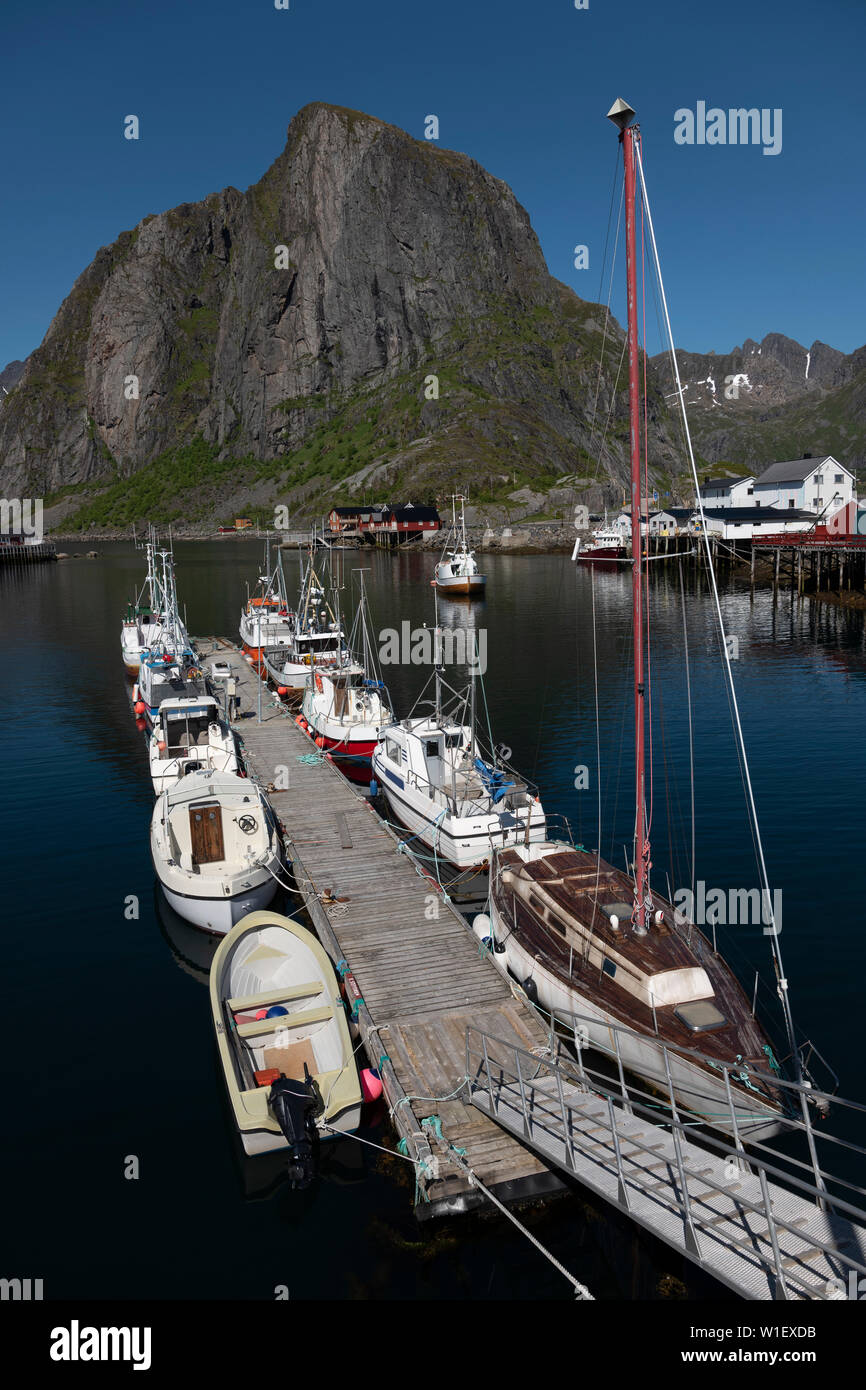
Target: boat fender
<point x="374" y="787"/>
<point x="530" y="989"/>
<point x="276" y="1011"/>
<point x="371" y="1084"/>
<point x="139" y="707"/>
<point x="295" y="1105"/>
<point x="282" y="690"/>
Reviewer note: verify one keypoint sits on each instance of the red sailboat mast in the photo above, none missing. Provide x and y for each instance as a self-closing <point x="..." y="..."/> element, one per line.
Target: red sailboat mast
<point x="622" y="115"/>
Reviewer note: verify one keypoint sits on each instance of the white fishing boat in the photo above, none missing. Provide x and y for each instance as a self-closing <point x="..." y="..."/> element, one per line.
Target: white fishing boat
<point x="317" y="639"/>
<point x="592" y="942"/>
<point x="439" y="783"/>
<point x="168" y="666"/>
<point x="457" y="572"/>
<point x="143" y="622"/>
<point x="283" y="1040"/>
<point x="216" y="848"/>
<point x="266" y="619"/>
<point x="189" y="734"/>
<point x="344" y="707"/>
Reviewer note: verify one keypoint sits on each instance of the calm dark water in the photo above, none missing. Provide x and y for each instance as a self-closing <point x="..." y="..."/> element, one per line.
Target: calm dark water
<point x="109" y="1049"/>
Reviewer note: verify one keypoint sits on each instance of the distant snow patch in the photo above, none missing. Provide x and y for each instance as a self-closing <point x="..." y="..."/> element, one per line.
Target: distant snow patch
<point x="808" y="360"/>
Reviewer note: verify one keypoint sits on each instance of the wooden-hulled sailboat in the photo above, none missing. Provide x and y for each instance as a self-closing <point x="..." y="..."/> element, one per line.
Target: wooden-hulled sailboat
<point x="590" y="940"/>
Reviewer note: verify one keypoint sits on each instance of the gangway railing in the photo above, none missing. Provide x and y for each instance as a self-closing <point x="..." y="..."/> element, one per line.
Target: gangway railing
<point x="768" y="1224"/>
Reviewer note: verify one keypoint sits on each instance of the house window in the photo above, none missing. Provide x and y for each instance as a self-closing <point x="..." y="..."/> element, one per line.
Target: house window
<point x="837" y="478"/>
<point x="819" y="478"/>
<point x="750" y="491"/>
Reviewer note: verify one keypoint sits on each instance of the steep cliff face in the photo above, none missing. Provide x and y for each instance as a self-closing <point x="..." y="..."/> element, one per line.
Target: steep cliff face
<point x="399" y="259"/>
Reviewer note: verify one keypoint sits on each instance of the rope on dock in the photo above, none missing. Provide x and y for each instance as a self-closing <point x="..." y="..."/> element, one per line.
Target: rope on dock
<point x="433" y="1124"/>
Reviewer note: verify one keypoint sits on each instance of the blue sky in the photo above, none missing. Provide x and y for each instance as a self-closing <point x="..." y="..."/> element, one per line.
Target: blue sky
<point x="750" y="243"/>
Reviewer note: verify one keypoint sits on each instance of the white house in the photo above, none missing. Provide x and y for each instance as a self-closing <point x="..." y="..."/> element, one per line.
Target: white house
<point x="727" y="492"/>
<point x="815" y="485"/>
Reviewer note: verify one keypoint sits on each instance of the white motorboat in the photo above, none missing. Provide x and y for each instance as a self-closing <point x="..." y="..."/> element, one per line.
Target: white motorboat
<point x="189" y="734"/>
<point x="283" y="1039"/>
<point x="457" y="572"/>
<point x="440" y="785"/>
<point x="216" y="848"/>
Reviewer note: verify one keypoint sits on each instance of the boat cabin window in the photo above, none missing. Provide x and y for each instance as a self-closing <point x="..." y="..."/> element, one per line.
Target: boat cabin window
<point x="431" y="748"/>
<point x="392" y="748"/>
<point x="453" y="740"/>
<point x="179" y="732"/>
<point x="609" y="967"/>
<point x="318" y="643"/>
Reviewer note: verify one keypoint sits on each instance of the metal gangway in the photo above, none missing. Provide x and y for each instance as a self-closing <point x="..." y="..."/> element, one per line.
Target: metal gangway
<point x="754" y="1215"/>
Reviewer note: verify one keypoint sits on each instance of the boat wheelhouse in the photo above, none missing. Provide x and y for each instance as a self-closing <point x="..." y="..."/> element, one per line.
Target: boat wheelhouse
<point x="189" y="733"/>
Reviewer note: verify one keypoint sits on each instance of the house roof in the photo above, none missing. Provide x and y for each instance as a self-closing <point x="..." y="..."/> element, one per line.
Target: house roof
<point x="794" y="470"/>
<point x="734" y="514"/>
<point x="727" y="482"/>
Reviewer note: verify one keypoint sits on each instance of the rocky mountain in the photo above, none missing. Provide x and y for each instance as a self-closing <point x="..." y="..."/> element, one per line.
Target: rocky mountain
<point x="774" y="399"/>
<point x="9" y="377"/>
<point x="374" y="315"/>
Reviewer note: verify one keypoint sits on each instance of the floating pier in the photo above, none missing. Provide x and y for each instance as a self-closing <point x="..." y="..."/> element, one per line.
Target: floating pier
<point x="486" y="1100"/>
<point x="415" y="976"/>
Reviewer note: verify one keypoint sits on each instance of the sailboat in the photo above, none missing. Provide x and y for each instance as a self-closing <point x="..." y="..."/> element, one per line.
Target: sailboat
<point x="266" y="620"/>
<point x="345" y="705"/>
<point x="457" y="798"/>
<point x="590" y="941"/>
<point x="457" y="572"/>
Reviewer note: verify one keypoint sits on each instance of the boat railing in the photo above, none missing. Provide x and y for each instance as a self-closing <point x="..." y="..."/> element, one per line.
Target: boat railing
<point x="547" y="1091"/>
<point x="797" y="1100"/>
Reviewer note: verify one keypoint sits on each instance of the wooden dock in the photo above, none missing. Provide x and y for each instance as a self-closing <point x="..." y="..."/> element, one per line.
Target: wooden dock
<point x="421" y="974"/>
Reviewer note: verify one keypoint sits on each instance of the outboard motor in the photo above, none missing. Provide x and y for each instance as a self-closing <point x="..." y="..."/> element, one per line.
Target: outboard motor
<point x="295" y="1105"/>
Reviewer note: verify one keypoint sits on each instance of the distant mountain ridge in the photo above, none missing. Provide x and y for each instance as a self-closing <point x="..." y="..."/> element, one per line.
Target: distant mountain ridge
<point x="773" y="400"/>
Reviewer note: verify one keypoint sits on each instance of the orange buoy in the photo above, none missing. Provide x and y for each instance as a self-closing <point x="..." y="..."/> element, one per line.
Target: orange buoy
<point x="320" y="742"/>
<point x="139" y="707"/>
<point x="161" y="746"/>
<point x="282" y="690"/>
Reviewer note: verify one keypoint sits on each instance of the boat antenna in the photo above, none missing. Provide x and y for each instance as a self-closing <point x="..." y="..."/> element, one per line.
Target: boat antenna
<point x="622" y="116"/>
